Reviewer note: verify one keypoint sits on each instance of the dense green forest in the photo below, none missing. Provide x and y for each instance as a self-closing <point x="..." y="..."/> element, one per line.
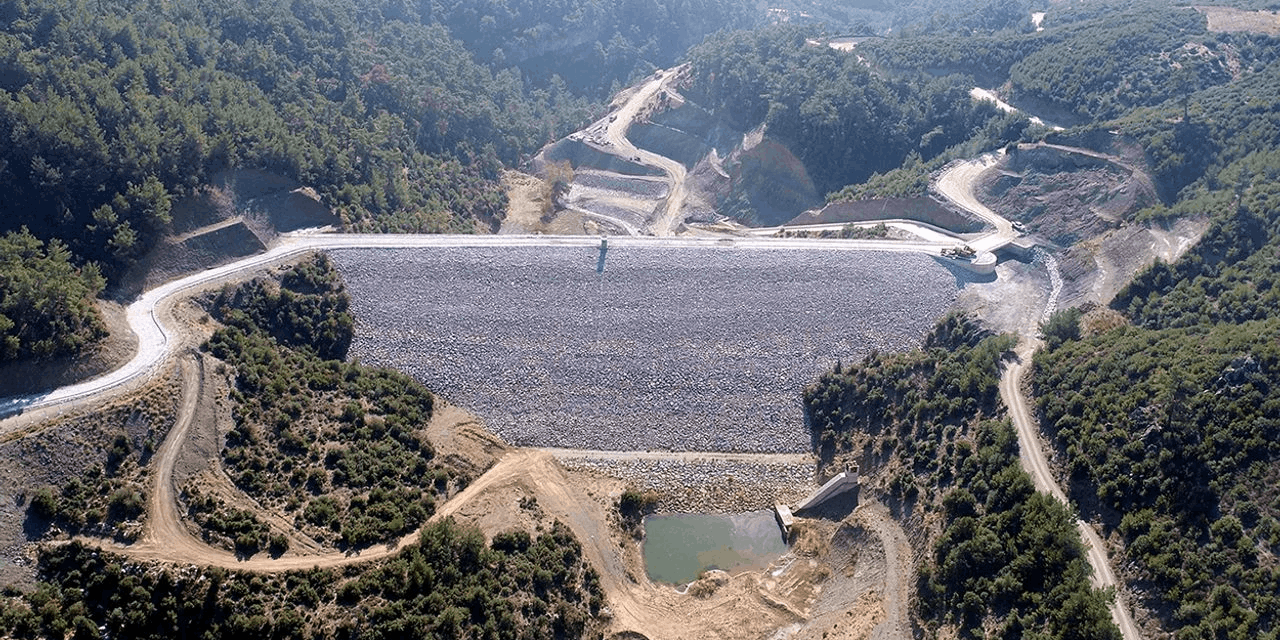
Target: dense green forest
<point x="1007" y="561"/>
<point x="46" y="303"/>
<point x="450" y="584"/>
<point x="106" y="119"/>
<point x="595" y="46"/>
<point x="1097" y="61"/>
<point x="1170" y="425"/>
<point x="841" y="119"/>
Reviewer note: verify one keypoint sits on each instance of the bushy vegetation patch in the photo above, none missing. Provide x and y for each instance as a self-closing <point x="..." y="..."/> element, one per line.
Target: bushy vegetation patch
<point x="450" y="584"/>
<point x="338" y="446"/>
<point x="1171" y="427"/>
<point x="108" y="496"/>
<point x="102" y="502"/>
<point x="1007" y="561"/>
<point x="911" y="180"/>
<point x="1178" y="432"/>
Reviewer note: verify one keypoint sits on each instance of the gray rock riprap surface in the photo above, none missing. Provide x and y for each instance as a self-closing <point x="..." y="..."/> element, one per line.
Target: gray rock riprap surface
<point x="679" y="349"/>
<point x="709" y="486"/>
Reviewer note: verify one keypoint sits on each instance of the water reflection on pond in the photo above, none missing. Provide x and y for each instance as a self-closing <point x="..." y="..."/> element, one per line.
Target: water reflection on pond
<point x="679" y="547"/>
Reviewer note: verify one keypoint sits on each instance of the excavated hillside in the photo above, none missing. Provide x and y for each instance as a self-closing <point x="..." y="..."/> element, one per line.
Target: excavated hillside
<point x="1081" y="192"/>
<point x="657" y="138"/>
<point x="1066" y="194"/>
<point x="236" y="215"/>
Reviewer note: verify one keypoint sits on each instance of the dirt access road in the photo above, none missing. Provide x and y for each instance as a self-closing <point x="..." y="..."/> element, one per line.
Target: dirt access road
<point x="667" y="216"/>
<point x="1034" y="462"/>
<point x="958" y="184"/>
<point x="166" y="539"/>
<point x="747" y="603"/>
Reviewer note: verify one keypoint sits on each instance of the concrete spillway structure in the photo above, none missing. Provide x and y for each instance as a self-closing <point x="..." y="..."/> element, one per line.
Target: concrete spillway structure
<point x="841" y="483"/>
<point x="782" y="513"/>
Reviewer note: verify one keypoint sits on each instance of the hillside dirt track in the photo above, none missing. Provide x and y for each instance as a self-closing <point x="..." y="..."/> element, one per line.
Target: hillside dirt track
<point x="749" y="605"/>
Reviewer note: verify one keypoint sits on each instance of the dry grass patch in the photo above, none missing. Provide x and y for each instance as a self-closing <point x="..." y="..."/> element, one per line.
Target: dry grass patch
<point x="1230" y="19"/>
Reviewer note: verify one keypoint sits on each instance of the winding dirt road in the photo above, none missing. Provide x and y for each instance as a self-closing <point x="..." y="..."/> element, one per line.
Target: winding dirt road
<point x="1034" y="462"/>
<point x="667" y="217"/>
<point x="635" y="605"/>
<point x="957" y="184"/>
<point x="166" y="539"/>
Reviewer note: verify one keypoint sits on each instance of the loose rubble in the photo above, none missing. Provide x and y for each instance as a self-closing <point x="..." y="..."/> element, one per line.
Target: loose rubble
<point x="708" y="486"/>
<point x="676" y="349"/>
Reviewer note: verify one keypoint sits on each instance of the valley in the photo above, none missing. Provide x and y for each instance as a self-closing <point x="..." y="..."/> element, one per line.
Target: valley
<point x="975" y="303"/>
<point x="554" y="374"/>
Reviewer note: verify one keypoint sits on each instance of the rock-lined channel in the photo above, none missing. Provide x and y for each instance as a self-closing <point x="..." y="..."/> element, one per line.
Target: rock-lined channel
<point x="681" y="349"/>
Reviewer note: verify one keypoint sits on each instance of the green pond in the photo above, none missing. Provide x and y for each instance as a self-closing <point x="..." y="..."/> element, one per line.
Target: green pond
<point x="679" y="547"/>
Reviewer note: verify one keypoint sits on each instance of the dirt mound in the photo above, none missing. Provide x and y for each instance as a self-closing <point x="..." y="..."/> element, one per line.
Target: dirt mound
<point x="237" y="214"/>
<point x="292" y="210"/>
<point x="628" y="635"/>
<point x="664" y="140"/>
<point x="271" y="199"/>
<point x="209" y="206"/>
<point x="1096" y="269"/>
<point x="581" y="154"/>
<point x="925" y="210"/>
<point x="865" y="594"/>
<point x="195" y="251"/>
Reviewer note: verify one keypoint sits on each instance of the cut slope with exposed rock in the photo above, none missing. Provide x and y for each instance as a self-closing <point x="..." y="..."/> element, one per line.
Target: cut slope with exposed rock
<point x="237" y="215"/>
<point x="1083" y="199"/>
<point x="709" y="167"/>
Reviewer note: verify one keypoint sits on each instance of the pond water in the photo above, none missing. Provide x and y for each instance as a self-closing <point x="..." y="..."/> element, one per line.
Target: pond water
<point x="679" y="547"/>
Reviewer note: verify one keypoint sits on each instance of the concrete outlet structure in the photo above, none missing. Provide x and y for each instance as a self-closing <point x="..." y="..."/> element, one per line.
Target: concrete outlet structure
<point x="785" y="520"/>
<point x="842" y="482"/>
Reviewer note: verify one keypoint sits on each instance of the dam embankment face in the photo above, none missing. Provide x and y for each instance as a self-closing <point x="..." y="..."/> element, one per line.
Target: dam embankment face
<point x="682" y="349"/>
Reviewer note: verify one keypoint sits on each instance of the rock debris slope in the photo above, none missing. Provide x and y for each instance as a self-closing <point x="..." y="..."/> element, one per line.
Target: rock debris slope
<point x="676" y="349"/>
